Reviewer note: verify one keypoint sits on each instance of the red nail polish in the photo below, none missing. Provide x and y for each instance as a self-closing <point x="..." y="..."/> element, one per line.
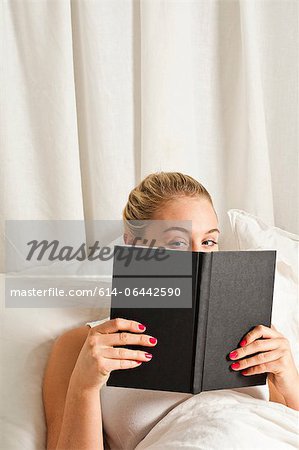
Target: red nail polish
<point x="243" y="342"/>
<point x="148" y="355"/>
<point x="244" y="372"/>
<point x="139" y="362"/>
<point x="141" y="327"/>
<point x="233" y="354"/>
<point x="152" y="340"/>
<point x="235" y="365"/>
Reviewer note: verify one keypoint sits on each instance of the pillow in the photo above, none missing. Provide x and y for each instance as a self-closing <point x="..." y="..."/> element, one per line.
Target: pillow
<point x="251" y="233"/>
<point x="27" y="336"/>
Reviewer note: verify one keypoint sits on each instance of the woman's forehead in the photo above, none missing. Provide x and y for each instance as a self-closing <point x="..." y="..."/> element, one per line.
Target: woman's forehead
<point x="198" y="214"/>
<point x="166" y="227"/>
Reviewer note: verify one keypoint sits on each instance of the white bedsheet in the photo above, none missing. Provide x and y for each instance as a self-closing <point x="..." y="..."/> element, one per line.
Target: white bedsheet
<point x="225" y="420"/>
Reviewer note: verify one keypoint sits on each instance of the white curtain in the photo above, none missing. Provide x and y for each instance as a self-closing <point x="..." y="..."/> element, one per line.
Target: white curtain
<point x="98" y="94"/>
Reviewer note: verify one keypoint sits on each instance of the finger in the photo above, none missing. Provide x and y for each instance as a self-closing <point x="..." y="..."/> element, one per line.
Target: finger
<point x="125" y="338"/>
<point x="114" y="325"/>
<point x="124" y="353"/>
<point x="117" y="364"/>
<point x="271" y="367"/>
<point x="258" y="360"/>
<point x="260" y="331"/>
<point x="259" y="345"/>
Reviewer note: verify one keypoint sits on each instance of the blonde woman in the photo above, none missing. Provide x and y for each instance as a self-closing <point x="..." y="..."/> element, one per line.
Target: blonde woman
<point x="82" y="359"/>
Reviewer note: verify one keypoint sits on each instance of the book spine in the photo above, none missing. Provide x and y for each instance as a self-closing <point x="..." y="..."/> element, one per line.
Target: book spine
<point x="274" y="253"/>
<point x="201" y="317"/>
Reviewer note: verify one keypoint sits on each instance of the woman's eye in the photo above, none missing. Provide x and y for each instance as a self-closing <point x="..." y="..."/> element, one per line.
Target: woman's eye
<point x="210" y="240"/>
<point x="177" y="243"/>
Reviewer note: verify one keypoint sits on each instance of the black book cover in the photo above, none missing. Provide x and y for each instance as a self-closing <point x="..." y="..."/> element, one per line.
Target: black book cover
<point x="222" y="295"/>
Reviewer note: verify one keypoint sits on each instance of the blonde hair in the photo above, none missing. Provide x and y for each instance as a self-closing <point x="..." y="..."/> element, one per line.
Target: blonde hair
<point x="154" y="191"/>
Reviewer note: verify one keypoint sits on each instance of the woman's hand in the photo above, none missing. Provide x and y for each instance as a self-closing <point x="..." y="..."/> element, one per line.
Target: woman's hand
<point x="273" y="356"/>
<point x="98" y="356"/>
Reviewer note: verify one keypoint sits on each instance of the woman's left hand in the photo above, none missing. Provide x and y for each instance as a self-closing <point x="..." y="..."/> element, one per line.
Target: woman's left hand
<point x="273" y="356"/>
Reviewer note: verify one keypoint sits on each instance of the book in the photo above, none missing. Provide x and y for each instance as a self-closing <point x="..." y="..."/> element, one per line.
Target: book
<point x="224" y="295"/>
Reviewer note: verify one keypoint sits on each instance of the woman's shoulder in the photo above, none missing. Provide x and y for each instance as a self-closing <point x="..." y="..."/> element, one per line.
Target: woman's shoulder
<point x="71" y="340"/>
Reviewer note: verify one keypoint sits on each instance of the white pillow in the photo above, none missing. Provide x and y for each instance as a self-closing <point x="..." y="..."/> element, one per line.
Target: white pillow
<point x="27" y="336"/>
<point x="252" y="233"/>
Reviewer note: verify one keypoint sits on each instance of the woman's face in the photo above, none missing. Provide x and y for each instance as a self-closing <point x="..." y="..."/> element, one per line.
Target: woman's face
<point x="200" y="234"/>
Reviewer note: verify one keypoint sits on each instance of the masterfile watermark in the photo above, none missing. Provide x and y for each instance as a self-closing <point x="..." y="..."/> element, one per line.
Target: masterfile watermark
<point x="76" y="263"/>
<point x="55" y="251"/>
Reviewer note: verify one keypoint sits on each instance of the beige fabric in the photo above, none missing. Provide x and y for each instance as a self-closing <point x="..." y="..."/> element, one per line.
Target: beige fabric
<point x="97" y="94"/>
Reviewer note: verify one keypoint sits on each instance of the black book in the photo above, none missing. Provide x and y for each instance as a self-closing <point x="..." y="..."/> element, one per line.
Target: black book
<point x="212" y="300"/>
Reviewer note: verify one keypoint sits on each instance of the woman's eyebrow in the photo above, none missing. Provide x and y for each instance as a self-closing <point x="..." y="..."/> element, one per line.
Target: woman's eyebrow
<point x="177" y="228"/>
<point x="187" y="231"/>
<point x="211" y="231"/>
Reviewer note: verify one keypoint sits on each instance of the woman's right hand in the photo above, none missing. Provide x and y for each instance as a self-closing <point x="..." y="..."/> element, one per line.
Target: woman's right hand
<point x="101" y="353"/>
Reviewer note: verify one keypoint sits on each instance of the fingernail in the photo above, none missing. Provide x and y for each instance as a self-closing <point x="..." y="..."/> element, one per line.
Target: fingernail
<point x="139" y="362"/>
<point x="233" y="354"/>
<point x="152" y="340"/>
<point x="243" y="342"/>
<point x="141" y="327"/>
<point x="244" y="372"/>
<point x="148" y="355"/>
<point x="235" y="365"/>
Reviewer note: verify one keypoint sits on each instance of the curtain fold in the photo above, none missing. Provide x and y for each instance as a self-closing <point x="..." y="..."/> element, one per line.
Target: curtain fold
<point x="257" y="162"/>
<point x="98" y="94"/>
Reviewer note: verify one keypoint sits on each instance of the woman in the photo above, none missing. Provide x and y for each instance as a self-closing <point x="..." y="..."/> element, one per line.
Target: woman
<point x="82" y="359"/>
